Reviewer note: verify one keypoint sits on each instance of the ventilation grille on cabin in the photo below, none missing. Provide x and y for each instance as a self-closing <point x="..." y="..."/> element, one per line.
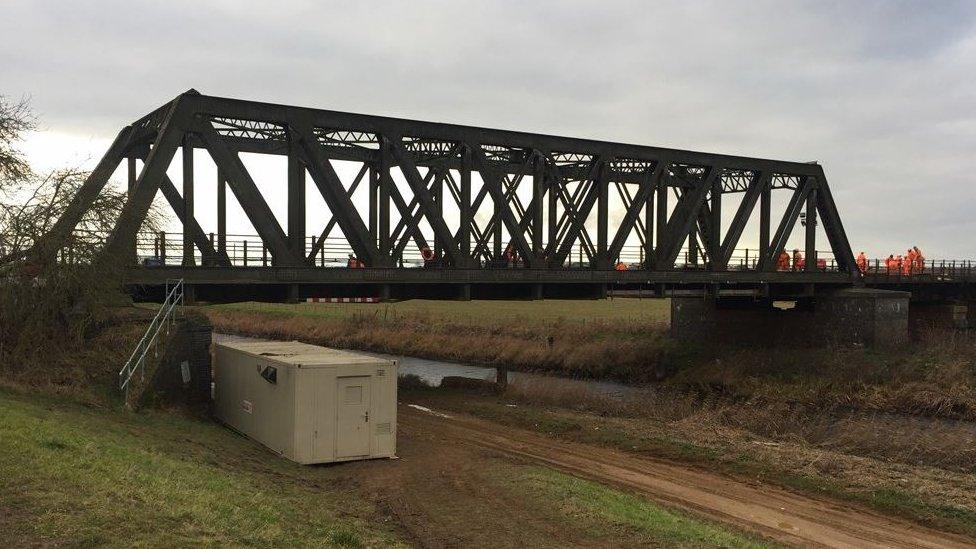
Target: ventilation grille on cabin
<point x="383" y="428"/>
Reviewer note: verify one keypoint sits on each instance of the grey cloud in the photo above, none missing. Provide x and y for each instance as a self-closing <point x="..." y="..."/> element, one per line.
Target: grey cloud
<point x="881" y="92"/>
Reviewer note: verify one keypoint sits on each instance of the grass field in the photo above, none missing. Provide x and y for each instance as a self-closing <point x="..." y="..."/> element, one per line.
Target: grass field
<point x="91" y="476"/>
<point x="606" y="512"/>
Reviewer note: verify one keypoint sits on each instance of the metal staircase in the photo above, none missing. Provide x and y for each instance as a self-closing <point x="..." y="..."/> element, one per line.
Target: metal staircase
<point x="169" y="311"/>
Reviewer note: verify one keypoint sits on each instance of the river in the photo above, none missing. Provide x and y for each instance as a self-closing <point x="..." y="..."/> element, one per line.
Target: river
<point x="434" y="371"/>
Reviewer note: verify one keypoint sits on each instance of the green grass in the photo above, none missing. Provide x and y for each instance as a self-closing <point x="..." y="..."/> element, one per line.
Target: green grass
<point x="481" y="312"/>
<point x="103" y="477"/>
<point x="607" y="512"/>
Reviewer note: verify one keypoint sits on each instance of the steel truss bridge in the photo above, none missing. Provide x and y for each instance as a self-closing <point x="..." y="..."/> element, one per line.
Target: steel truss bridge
<point x="475" y="197"/>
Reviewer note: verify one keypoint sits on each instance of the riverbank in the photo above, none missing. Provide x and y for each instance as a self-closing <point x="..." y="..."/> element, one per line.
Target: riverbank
<point x="623" y="339"/>
<point x="626" y="340"/>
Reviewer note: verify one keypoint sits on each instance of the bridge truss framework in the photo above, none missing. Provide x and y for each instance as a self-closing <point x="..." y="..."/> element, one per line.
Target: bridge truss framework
<point x="571" y="182"/>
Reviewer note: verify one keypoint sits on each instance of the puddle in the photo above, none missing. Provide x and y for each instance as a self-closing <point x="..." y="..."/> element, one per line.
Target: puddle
<point x="428" y="410"/>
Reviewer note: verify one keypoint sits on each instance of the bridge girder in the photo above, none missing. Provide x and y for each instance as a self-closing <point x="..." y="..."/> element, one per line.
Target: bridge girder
<point x="571" y="179"/>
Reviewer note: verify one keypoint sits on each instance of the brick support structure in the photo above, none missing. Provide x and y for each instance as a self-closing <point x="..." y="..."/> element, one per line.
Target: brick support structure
<point x="844" y="317"/>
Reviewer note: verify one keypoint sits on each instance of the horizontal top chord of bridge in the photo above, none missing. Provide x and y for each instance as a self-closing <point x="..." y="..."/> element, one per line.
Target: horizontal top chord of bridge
<point x="264" y="128"/>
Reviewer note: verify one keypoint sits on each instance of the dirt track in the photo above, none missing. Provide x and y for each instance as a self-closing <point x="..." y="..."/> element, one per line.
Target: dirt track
<point x="772" y="512"/>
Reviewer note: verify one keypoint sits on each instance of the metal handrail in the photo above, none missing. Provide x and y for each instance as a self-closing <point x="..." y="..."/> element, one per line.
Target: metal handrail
<point x="165" y="317"/>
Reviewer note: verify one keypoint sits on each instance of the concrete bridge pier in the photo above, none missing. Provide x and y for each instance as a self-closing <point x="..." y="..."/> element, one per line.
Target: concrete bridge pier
<point x="853" y="316"/>
<point x="189" y="294"/>
<point x="537" y="292"/>
<point x="293" y="294"/>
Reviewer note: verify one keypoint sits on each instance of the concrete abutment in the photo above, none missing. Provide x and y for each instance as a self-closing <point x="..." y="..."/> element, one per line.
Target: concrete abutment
<point x="853" y="316"/>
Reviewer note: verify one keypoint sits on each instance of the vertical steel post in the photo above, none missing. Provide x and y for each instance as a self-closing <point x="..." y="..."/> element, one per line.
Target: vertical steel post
<point x="602" y="216"/>
<point x="661" y="219"/>
<point x="715" y="225"/>
<point x="438" y="196"/>
<point x="162" y="247"/>
<point x="648" y="250"/>
<point x="221" y="211"/>
<point x="464" y="231"/>
<point x="188" y="247"/>
<point x="810" y="254"/>
<point x="384" y="197"/>
<point x="765" y="204"/>
<point x="296" y="203"/>
<point x="497" y="214"/>
<point x="538" y="190"/>
<point x="133" y="176"/>
<point x="373" y="203"/>
<point x="555" y="187"/>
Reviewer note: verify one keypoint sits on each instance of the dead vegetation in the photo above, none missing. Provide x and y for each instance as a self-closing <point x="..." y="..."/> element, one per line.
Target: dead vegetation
<point x="895" y="438"/>
<point x="599" y="349"/>
<point x="54" y="295"/>
<point x="934" y="376"/>
<point x="85" y="372"/>
<point x="935" y="379"/>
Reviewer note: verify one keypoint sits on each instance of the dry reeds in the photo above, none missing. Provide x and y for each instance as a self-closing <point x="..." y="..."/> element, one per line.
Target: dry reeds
<point x="594" y="351"/>
<point x="899" y="438"/>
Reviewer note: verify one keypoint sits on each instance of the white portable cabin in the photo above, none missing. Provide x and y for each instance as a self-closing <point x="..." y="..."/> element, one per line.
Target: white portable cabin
<point x="310" y="404"/>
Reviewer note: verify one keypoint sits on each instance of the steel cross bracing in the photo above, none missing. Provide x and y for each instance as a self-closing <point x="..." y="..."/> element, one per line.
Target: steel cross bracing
<point x="545" y="198"/>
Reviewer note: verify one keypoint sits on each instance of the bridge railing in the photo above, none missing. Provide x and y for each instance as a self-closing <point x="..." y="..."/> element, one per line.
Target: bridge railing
<point x="166" y="248"/>
<point x="936" y="269"/>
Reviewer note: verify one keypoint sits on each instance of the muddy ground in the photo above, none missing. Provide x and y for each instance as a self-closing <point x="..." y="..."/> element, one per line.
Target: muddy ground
<point x="448" y="490"/>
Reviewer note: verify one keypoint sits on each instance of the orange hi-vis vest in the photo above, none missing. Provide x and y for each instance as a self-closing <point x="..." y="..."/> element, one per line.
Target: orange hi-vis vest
<point x="784" y="261"/>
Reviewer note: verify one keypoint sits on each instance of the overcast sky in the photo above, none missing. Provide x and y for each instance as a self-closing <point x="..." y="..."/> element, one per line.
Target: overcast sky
<point x="883" y="94"/>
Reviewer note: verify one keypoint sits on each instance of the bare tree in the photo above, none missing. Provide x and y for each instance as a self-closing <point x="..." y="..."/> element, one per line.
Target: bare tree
<point x="30" y="202"/>
<point x="31" y="212"/>
<point x="16" y="118"/>
<point x="62" y="297"/>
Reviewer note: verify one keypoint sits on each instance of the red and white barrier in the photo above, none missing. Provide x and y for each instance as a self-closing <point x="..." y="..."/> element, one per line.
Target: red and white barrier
<point x="342" y="300"/>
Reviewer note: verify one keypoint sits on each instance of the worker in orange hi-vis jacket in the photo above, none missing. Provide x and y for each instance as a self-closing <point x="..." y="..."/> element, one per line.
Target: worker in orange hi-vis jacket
<point x="919" y="260"/>
<point x="899" y="261"/>
<point x="909" y="262"/>
<point x="783" y="263"/>
<point x="798" y="262"/>
<point x="862" y="262"/>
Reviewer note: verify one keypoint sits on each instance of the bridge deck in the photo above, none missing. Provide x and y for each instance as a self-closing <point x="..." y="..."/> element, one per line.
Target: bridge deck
<point x="275" y="283"/>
